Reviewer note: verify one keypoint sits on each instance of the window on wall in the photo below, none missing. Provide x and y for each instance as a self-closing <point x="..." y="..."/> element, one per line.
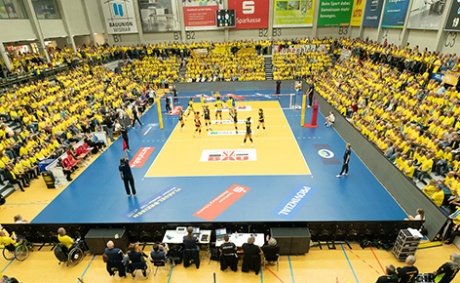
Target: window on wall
<point x="12" y="9"/>
<point x="46" y="9"/>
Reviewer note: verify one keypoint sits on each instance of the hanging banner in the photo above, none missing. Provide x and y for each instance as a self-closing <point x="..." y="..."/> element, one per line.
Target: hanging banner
<point x="119" y="16"/>
<point x="201" y="15"/>
<point x="250" y="14"/>
<point x="426" y="14"/>
<point x="333" y="13"/>
<point x="297" y="13"/>
<point x="159" y="15"/>
<point x="357" y="13"/>
<point x="394" y="14"/>
<point x="372" y="13"/>
<point x="453" y="18"/>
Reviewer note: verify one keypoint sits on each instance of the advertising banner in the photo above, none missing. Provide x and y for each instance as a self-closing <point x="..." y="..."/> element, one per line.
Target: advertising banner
<point x="119" y="16"/>
<point x="250" y="14"/>
<point x="222" y="202"/>
<point x="201" y="15"/>
<point x="297" y="13"/>
<point x="426" y="14"/>
<point x="141" y="157"/>
<point x="394" y="14"/>
<point x="333" y="13"/>
<point x="357" y="13"/>
<point x="453" y="18"/>
<point x="159" y="15"/>
<point x="372" y="13"/>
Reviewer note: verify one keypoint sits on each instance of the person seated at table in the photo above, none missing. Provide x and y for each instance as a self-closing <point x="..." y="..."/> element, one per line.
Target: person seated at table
<point x="135" y="259"/>
<point x="191" y="249"/>
<point x="271" y="250"/>
<point x="158" y="253"/>
<point x="228" y="256"/>
<point x="114" y="258"/>
<point x="251" y="258"/>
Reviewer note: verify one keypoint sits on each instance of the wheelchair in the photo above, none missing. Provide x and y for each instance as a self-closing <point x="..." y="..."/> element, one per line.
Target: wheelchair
<point x="72" y="257"/>
<point x="19" y="252"/>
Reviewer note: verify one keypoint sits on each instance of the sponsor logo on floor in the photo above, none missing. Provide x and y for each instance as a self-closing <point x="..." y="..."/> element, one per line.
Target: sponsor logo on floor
<point x="141" y="156"/>
<point x="221" y="203"/>
<point x="226" y="133"/>
<point x="156" y="201"/>
<point x="228" y="155"/>
<point x="241" y="108"/>
<point x="294" y="202"/>
<point x="227" y="122"/>
<point x="148" y="128"/>
<point x="326" y="154"/>
<point x="175" y="111"/>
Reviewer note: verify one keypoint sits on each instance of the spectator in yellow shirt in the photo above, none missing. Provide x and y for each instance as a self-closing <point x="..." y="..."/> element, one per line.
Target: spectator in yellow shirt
<point x="64" y="239"/>
<point x="438" y="196"/>
<point x="8" y="242"/>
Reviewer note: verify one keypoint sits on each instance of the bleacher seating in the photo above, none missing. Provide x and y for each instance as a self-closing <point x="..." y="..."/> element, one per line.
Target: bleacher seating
<point x="300" y="58"/>
<point x="406" y="115"/>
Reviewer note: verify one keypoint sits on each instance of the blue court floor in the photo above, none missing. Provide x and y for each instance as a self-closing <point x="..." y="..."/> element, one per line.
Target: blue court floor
<point x="98" y="196"/>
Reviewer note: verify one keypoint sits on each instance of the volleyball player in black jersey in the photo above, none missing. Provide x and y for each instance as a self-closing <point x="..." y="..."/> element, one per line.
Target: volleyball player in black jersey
<point x="181" y="119"/>
<point x="248" y="132"/>
<point x="207" y="117"/>
<point x="235" y="120"/>
<point x="261" y="121"/>
<point x="197" y="124"/>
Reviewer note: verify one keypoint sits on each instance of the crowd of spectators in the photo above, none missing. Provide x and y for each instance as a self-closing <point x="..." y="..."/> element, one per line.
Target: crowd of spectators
<point x="411" y="118"/>
<point x="229" y="61"/>
<point x="52" y="116"/>
<point x="300" y="58"/>
<point x="155" y="70"/>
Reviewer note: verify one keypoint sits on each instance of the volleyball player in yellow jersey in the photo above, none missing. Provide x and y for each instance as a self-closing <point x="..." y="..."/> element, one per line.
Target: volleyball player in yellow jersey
<point x="202" y="101"/>
<point x="230" y="107"/>
<point x="216" y="94"/>
<point x="190" y="107"/>
<point x="219" y="105"/>
<point x="197" y="124"/>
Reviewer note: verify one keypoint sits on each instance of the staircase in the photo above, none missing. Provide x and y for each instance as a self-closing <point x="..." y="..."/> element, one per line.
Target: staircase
<point x="268" y="67"/>
<point x="182" y="71"/>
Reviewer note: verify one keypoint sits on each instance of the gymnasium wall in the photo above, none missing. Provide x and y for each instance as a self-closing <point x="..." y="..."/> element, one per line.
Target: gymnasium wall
<point x="399" y="186"/>
<point x="85" y="17"/>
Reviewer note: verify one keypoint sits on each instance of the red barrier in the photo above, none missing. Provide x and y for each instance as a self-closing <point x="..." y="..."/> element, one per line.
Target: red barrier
<point x="314" y="117"/>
